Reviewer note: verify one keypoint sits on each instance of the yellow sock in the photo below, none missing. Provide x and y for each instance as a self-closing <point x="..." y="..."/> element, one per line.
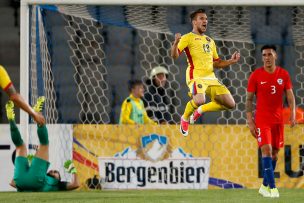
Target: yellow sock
<point x="211" y="106"/>
<point x="190" y="108"/>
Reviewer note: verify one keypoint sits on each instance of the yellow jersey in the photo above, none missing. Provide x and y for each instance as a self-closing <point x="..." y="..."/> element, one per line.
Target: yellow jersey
<point x="5" y="81"/>
<point x="201" y="53"/>
<point x="127" y="109"/>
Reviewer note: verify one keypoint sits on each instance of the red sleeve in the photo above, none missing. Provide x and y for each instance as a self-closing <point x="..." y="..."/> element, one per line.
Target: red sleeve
<point x="251" y="83"/>
<point x="288" y="84"/>
<point x="7" y="86"/>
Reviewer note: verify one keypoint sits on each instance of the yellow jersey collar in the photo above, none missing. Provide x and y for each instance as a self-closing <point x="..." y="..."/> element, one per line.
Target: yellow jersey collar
<point x="134" y="98"/>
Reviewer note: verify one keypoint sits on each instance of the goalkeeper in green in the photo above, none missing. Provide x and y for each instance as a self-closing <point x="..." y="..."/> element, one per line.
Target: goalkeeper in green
<point x="34" y="177"/>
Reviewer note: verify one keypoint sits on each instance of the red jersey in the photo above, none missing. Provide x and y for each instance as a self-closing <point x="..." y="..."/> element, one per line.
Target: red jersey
<point x="269" y="89"/>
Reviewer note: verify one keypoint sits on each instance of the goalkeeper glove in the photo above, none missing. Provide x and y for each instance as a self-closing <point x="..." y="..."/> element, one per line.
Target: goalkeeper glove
<point x="69" y="167"/>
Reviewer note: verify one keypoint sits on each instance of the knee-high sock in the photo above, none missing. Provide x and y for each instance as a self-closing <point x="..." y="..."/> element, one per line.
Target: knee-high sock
<point x="265" y="180"/>
<point x="190" y="108"/>
<point x="43" y="135"/>
<point x="274" y="164"/>
<point x="268" y="172"/>
<point x="15" y="134"/>
<point x="211" y="106"/>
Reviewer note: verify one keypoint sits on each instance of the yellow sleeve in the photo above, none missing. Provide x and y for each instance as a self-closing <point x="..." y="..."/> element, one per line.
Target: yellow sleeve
<point x="125" y="113"/>
<point x="5" y="81"/>
<point x="215" y="55"/>
<point x="148" y="120"/>
<point x="183" y="43"/>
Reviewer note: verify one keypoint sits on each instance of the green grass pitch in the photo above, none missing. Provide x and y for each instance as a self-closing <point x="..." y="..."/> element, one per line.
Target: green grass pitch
<point x="154" y="196"/>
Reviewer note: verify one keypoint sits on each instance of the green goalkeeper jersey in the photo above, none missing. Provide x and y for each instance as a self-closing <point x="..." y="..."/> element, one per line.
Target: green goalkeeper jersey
<point x="34" y="178"/>
<point x="52" y="184"/>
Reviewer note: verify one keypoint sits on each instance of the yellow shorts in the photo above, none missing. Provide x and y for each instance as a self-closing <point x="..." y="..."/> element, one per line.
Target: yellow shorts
<point x="208" y="87"/>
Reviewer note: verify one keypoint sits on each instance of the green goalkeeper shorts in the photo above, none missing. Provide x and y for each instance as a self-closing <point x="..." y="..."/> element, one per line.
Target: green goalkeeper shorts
<point x="30" y="177"/>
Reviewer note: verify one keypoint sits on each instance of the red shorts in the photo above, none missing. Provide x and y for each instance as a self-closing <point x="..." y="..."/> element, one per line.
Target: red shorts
<point x="272" y="134"/>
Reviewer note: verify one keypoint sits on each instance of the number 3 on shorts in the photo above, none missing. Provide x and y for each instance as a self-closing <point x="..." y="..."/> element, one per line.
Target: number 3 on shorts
<point x="259" y="132"/>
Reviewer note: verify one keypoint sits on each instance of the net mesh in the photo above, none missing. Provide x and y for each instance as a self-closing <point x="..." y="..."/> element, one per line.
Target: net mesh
<point x="298" y="29"/>
<point x="82" y="58"/>
<point x="90" y="70"/>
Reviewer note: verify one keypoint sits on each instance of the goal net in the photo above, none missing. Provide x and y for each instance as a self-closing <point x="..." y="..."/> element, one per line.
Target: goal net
<point x="82" y="57"/>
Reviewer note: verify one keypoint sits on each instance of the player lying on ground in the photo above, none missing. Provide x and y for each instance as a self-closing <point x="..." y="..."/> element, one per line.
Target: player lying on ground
<point x="34" y="177"/>
<point x="269" y="83"/>
<point x="202" y="57"/>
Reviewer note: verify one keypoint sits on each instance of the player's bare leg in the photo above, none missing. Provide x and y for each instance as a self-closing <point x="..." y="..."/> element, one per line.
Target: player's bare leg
<point x="191" y="106"/>
<point x="43" y="152"/>
<point x="226" y="100"/>
<point x="275" y="153"/>
<point x="21" y="151"/>
<point x="199" y="99"/>
<point x="266" y="150"/>
<point x="267" y="154"/>
<point x="220" y="102"/>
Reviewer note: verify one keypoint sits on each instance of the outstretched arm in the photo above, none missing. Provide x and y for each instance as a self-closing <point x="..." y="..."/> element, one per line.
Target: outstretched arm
<point x="224" y="63"/>
<point x="21" y="103"/>
<point x="174" y="48"/>
<point x="70" y="168"/>
<point x="75" y="182"/>
<point x="292" y="106"/>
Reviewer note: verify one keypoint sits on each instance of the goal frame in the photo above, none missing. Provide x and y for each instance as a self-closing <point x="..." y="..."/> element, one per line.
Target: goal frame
<point x="25" y="36"/>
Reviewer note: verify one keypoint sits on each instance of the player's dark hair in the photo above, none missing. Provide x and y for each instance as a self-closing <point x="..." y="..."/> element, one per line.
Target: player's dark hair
<point x="269" y="46"/>
<point x="49" y="174"/>
<point x="194" y="13"/>
<point x="14" y="156"/>
<point x="133" y="83"/>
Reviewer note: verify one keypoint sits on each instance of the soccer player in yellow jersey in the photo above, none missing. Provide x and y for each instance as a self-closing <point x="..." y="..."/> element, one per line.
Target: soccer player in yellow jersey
<point x="7" y="85"/>
<point x="133" y="110"/>
<point x="202" y="57"/>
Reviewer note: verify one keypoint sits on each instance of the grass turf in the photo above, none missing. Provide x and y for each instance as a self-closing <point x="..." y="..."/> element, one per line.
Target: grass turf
<point x="154" y="196"/>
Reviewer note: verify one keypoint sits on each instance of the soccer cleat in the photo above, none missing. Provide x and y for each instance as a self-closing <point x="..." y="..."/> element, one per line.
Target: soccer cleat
<point x="10" y="110"/>
<point x="274" y="193"/>
<point x="39" y="104"/>
<point x="264" y="191"/>
<point x="194" y="117"/>
<point x="184" y="125"/>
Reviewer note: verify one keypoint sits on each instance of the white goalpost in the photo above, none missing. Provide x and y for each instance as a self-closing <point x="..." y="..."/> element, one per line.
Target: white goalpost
<point x="81" y="55"/>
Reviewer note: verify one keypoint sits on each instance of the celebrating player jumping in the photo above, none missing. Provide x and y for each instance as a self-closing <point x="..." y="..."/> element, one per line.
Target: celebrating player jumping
<point x="34" y="177"/>
<point x="269" y="83"/>
<point x="202" y="57"/>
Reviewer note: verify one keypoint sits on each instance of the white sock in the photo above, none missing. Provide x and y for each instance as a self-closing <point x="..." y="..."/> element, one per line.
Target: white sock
<point x="199" y="109"/>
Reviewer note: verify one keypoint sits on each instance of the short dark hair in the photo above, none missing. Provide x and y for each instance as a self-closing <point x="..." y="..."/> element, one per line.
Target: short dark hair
<point x="49" y="174"/>
<point x="269" y="46"/>
<point x="133" y="83"/>
<point x="194" y="13"/>
<point x="14" y="157"/>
